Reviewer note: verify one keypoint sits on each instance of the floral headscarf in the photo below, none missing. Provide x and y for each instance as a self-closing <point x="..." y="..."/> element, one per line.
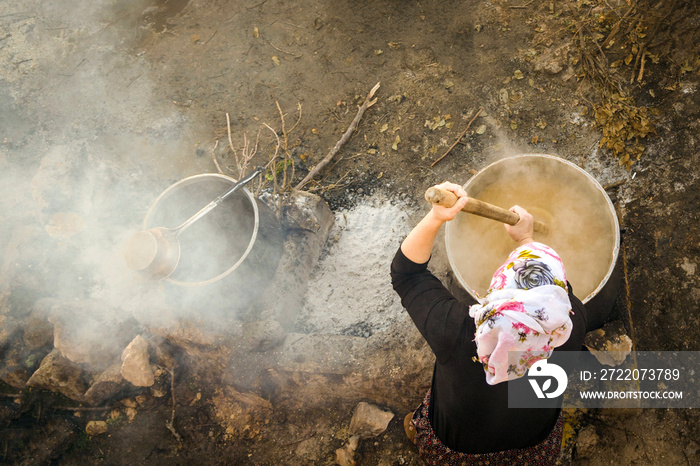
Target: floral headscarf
<point x="526" y="310"/>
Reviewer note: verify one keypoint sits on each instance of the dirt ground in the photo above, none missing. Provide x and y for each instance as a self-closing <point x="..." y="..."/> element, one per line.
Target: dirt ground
<point x="141" y="90"/>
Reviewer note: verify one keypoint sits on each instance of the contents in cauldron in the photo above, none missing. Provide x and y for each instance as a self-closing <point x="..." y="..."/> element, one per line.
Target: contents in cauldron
<point x="582" y="225"/>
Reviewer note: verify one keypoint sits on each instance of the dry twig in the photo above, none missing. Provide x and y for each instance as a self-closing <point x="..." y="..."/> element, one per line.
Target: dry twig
<point x="213" y="157"/>
<point x="614" y="185"/>
<point x="522" y="6"/>
<point x="369" y="101"/>
<point x="287" y="156"/>
<point x="280" y="50"/>
<point x="247" y="152"/>
<point x="171" y="424"/>
<point x="273" y="160"/>
<point x="458" y="139"/>
<point x="83" y="408"/>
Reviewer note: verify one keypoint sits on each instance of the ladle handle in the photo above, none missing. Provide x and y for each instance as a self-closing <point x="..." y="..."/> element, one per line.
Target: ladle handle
<point x="207" y="208"/>
<point x="447" y="198"/>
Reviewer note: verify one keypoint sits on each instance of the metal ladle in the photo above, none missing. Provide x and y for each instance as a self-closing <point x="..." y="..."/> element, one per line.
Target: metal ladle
<point x="156" y="251"/>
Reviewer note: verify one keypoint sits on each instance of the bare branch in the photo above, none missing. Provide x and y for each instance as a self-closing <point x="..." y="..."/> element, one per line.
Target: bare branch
<point x="369" y="101"/>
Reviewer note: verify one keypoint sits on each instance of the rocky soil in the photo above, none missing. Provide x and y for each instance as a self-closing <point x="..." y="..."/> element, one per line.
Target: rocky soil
<point x="106" y="105"/>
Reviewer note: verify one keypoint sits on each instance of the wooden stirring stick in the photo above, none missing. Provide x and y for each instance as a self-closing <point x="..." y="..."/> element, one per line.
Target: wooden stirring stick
<point x="447" y="198"/>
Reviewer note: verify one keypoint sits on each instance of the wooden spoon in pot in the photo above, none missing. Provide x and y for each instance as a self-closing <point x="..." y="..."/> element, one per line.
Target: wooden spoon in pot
<point x="447" y="198"/>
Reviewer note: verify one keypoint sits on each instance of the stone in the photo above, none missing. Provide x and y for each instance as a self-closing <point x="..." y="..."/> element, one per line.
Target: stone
<point x="369" y="420"/>
<point x="162" y="352"/>
<point x="307" y="220"/>
<point x="16" y="377"/>
<point x="38" y="332"/>
<point x="189" y="333"/>
<point x="106" y="385"/>
<point x="18" y="363"/>
<point x="136" y="367"/>
<point x="94" y="428"/>
<point x="241" y="415"/>
<point x="9" y="329"/>
<point x="345" y="455"/>
<point x="307" y="211"/>
<point x="87" y="333"/>
<point x="263" y="335"/>
<point x="610" y="345"/>
<point x="586" y="442"/>
<point x="320" y="354"/>
<point x="59" y="374"/>
<point x="552" y="60"/>
<point x="343" y="368"/>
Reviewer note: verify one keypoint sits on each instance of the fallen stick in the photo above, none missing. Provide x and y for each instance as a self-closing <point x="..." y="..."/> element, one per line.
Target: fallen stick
<point x="458" y="139"/>
<point x="213" y="157"/>
<point x="614" y="185"/>
<point x="83" y="408"/>
<point x="171" y="424"/>
<point x="367" y="104"/>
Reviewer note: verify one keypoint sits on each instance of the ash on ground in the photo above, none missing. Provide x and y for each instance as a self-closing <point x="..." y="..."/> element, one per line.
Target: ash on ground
<point x="350" y="291"/>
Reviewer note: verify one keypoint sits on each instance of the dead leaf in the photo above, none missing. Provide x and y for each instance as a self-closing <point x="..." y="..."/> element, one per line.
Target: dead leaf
<point x="481" y="129"/>
<point x="513" y="125"/>
<point x="435" y="123"/>
<point x="518" y="74"/>
<point x="276" y="59"/>
<point x="384" y="127"/>
<point x="541" y="124"/>
<point x="395" y="145"/>
<point x="256" y="32"/>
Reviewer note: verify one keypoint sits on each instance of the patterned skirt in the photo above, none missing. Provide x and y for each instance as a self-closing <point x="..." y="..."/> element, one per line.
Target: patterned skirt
<point x="434" y="452"/>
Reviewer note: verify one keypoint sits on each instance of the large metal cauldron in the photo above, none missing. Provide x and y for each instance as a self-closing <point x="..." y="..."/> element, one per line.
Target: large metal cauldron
<point x="229" y="255"/>
<point x="583" y="225"/>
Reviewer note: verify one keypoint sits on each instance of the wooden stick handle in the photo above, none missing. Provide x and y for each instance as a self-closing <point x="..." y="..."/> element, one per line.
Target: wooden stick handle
<point x="447" y="198"/>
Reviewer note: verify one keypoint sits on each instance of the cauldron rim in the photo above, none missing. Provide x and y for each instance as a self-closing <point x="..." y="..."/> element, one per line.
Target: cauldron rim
<point x="193" y="179"/>
<point x="593" y="181"/>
